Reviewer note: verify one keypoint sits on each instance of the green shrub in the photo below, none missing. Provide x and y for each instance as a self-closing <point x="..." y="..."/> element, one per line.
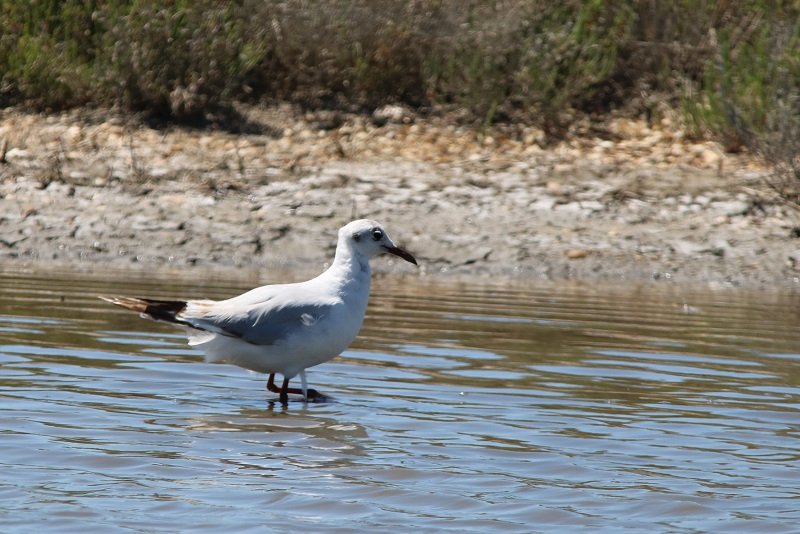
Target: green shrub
<point x="752" y="97"/>
<point x="45" y="52"/>
<point x="531" y="61"/>
<point x="182" y="61"/>
<point x="179" y="60"/>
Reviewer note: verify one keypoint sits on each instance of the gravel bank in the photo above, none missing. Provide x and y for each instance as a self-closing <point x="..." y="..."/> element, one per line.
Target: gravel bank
<point x="617" y="203"/>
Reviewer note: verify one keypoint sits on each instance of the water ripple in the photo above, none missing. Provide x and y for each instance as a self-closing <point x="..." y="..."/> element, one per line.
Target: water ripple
<point x="461" y="408"/>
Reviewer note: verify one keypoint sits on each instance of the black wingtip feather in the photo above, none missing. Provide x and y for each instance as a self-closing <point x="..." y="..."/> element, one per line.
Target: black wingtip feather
<point x="164" y="310"/>
<point x="160" y="310"/>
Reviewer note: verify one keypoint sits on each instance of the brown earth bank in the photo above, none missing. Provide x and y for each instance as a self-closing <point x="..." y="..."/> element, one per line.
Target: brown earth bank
<point x="618" y="201"/>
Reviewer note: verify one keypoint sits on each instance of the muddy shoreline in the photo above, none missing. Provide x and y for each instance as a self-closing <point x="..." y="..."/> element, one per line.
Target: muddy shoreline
<point x="625" y="202"/>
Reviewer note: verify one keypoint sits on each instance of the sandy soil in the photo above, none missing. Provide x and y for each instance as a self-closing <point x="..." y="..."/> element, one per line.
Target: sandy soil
<point x="618" y="202"/>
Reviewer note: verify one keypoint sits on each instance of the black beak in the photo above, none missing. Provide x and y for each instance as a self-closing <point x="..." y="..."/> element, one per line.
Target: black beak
<point x="397" y="251"/>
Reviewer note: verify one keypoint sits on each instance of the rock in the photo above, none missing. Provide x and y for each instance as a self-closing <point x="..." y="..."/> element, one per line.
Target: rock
<point x="555" y="188"/>
<point x="793" y="260"/>
<point x="731" y="208"/>
<point x="325" y="120"/>
<point x="392" y="114"/>
<point x="569" y="207"/>
<point x="543" y="204"/>
<point x="577" y="253"/>
<point x="17" y="153"/>
<point x="591" y="205"/>
<point x="469" y="256"/>
<point x="685" y="247"/>
<point x="702" y="200"/>
<point x="709" y="158"/>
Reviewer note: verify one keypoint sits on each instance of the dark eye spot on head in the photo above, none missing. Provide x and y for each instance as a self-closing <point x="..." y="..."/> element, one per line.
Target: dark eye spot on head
<point x="377" y="234"/>
<point x="356" y="237"/>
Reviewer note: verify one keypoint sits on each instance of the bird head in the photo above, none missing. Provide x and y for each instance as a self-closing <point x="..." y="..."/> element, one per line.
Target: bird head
<point x="370" y="239"/>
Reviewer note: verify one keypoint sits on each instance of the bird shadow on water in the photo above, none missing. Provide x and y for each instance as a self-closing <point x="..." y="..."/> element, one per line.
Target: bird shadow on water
<point x="276" y="404"/>
<point x="298" y="426"/>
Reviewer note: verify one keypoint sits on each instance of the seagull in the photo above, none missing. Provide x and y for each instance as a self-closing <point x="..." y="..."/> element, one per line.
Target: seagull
<point x="284" y="328"/>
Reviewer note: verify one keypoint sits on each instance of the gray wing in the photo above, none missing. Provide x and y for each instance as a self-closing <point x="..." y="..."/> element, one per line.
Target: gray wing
<point x="265" y="321"/>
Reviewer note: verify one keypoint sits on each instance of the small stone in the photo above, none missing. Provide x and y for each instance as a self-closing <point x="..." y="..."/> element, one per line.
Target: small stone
<point x="732" y="208"/>
<point x="555" y="188"/>
<point x="14" y="153"/>
<point x="687" y="248"/>
<point x="392" y="114"/>
<point x="577" y="253"/>
<point x="709" y="158"/>
<point x="592" y="205"/>
<point x="543" y="204"/>
<point x="472" y="256"/>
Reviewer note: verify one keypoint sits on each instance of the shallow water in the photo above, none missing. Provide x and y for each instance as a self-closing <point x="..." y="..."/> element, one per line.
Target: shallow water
<point x="467" y="408"/>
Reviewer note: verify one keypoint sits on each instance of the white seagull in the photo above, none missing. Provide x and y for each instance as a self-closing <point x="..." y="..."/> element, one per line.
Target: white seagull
<point x="284" y="328"/>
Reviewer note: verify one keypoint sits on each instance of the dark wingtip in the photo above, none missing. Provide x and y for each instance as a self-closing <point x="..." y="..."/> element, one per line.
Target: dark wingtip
<point x="160" y="310"/>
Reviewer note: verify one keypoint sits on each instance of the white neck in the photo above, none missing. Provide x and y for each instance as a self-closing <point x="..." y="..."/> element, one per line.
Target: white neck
<point x="349" y="260"/>
<point x="350" y="269"/>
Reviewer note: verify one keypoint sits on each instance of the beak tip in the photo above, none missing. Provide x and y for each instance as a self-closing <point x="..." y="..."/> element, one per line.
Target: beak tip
<point x="401" y="253"/>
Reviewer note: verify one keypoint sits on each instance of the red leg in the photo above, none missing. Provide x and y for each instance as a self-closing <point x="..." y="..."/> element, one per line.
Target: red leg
<point x="285" y="390"/>
<point x="271" y="384"/>
<point x="284" y="396"/>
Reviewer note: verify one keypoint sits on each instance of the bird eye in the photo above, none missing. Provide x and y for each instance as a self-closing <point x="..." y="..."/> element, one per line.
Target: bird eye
<point x="377" y="234"/>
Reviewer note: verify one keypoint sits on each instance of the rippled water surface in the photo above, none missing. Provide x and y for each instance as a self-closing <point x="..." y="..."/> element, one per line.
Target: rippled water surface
<point x="469" y="408"/>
